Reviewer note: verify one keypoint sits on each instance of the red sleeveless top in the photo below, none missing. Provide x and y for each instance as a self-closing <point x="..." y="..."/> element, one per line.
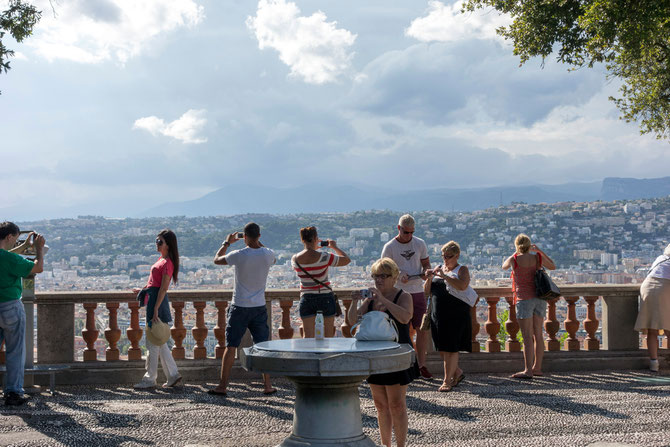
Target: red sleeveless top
<point x="523" y="280"/>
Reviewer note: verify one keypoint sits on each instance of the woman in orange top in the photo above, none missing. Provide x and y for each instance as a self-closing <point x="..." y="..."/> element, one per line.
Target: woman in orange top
<point x="530" y="310"/>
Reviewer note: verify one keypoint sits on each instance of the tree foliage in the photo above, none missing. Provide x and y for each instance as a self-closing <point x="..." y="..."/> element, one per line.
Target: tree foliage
<point x="18" y="20"/>
<point x="631" y="37"/>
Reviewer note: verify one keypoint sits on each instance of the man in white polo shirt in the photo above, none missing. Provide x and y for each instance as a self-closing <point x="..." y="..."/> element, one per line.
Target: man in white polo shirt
<point x="411" y="255"/>
<point x="247" y="310"/>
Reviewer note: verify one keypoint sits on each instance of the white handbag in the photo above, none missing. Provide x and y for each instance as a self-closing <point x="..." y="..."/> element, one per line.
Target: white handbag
<point x="375" y="326"/>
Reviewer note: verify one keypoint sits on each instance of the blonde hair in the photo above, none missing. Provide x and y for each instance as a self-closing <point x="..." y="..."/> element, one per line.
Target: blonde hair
<point x="451" y="247"/>
<point x="386" y="266"/>
<point x="522" y="243"/>
<point x="406" y="220"/>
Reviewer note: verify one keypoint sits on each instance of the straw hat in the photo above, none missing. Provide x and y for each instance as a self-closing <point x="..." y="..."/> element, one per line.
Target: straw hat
<point x="158" y="334"/>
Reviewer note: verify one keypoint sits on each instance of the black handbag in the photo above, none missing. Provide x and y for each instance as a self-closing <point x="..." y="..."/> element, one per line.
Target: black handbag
<point x="544" y="286"/>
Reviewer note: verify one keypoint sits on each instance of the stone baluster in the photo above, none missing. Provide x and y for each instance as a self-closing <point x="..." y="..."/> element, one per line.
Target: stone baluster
<point x="551" y="325"/>
<point x="475" y="327"/>
<point x="112" y="333"/>
<point x="199" y="331"/>
<point x="220" y="328"/>
<point x="346" y="328"/>
<point x="571" y="324"/>
<point x="591" y="323"/>
<point x="663" y="343"/>
<point x="492" y="325"/>
<point x="178" y="331"/>
<point x="512" y="328"/>
<point x="90" y="333"/>
<point x="2" y="353"/>
<point x="618" y="322"/>
<point x="286" y="331"/>
<point x="134" y="333"/>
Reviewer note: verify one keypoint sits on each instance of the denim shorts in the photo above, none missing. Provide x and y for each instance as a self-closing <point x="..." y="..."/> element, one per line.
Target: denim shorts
<point x="242" y="318"/>
<point x="530" y="307"/>
<point x="311" y="303"/>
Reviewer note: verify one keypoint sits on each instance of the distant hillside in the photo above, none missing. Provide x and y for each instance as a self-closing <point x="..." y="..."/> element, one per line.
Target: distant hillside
<point x="319" y="198"/>
<point x="615" y="188"/>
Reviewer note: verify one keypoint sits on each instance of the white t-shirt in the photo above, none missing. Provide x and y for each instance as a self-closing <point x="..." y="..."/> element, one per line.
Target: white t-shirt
<point x="408" y="257"/>
<point x="251" y="273"/>
<point x="660" y="268"/>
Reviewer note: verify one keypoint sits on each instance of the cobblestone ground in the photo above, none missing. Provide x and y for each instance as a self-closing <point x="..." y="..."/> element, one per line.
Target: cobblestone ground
<point x="576" y="409"/>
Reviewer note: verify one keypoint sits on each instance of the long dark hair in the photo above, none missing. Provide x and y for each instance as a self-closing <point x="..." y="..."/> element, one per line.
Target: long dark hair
<point x="173" y="251"/>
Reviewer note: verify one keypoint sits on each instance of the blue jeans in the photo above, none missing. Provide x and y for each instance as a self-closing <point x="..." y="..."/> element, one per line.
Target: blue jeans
<point x="13" y="333"/>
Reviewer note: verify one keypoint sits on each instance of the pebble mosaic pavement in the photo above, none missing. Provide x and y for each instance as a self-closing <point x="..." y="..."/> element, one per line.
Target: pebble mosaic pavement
<point x="562" y="409"/>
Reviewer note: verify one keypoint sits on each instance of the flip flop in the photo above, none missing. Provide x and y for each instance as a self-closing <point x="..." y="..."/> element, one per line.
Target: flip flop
<point x="521" y="376"/>
<point x="444" y="388"/>
<point x="458" y="380"/>
<point x="213" y="392"/>
<point x="272" y="391"/>
<point x="540" y="374"/>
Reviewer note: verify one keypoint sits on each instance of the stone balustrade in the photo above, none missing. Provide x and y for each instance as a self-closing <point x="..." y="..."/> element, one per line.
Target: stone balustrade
<point x="56" y="311"/>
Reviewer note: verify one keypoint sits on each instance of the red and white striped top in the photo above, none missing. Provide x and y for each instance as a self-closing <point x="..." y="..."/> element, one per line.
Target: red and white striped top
<point x="318" y="270"/>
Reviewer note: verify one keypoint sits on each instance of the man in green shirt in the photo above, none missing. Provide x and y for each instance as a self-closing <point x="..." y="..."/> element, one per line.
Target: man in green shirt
<point x="13" y="268"/>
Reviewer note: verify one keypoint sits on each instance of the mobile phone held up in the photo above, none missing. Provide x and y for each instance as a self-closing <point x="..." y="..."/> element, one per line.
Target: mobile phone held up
<point x="324" y="243"/>
<point x="365" y="293"/>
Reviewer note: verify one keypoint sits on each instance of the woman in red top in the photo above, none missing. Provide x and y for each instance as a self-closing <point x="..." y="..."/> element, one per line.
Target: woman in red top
<point x="530" y="310"/>
<point x="154" y="296"/>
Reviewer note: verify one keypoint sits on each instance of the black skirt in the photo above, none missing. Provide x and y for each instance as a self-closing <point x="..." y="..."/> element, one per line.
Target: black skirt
<point x="450" y="323"/>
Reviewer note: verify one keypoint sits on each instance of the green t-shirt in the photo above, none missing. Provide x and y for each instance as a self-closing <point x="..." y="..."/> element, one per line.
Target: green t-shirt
<point x="12" y="269"/>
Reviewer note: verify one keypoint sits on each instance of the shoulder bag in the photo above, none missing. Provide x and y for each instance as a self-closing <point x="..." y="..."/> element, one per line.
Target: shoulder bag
<point x="545" y="288"/>
<point x="375" y="326"/>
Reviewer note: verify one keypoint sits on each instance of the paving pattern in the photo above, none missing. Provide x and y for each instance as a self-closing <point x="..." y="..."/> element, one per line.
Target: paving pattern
<point x="566" y="409"/>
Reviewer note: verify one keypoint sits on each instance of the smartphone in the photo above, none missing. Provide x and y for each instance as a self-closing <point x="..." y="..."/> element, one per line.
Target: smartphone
<point x="324" y="243"/>
<point x="240" y="235"/>
<point x="365" y="293"/>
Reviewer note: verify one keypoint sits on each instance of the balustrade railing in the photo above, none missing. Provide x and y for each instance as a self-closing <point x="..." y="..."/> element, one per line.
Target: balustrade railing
<point x="55" y="326"/>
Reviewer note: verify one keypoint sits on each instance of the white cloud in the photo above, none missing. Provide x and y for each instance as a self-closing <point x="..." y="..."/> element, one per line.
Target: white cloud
<point x="445" y="23"/>
<point x="91" y="32"/>
<point x="184" y="129"/>
<point x="315" y="49"/>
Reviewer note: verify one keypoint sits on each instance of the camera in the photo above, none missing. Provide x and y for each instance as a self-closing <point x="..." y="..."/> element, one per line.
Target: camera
<point x="240" y="235"/>
<point x="365" y="293"/>
<point x="324" y="243"/>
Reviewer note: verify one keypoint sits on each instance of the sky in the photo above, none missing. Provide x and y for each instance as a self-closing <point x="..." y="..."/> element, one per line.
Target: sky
<point x="115" y="106"/>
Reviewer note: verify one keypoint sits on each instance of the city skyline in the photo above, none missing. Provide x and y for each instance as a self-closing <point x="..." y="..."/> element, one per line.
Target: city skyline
<point x="112" y="106"/>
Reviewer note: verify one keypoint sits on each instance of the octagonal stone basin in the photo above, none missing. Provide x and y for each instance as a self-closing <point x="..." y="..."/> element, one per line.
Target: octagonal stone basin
<point x="327" y="374"/>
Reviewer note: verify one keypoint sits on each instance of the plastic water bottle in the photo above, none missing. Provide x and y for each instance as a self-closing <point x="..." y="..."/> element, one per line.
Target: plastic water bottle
<point x="318" y="326"/>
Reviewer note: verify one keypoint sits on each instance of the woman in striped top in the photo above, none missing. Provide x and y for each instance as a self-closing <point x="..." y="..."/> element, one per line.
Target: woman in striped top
<point x="316" y="293"/>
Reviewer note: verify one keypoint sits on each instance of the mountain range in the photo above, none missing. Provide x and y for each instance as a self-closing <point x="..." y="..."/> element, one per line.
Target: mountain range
<point x="316" y="198"/>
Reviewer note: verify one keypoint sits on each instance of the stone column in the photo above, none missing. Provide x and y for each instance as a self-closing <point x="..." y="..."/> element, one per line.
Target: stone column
<point x="55" y="332"/>
<point x="618" y="322"/>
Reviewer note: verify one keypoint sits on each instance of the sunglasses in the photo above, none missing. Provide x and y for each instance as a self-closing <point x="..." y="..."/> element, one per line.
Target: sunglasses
<point x="381" y="276"/>
<point x="407" y="232"/>
<point x="159" y="242"/>
<point x="448" y="256"/>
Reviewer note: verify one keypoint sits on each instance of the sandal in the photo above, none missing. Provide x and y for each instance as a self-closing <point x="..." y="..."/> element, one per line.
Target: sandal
<point x="458" y="380"/>
<point x="444" y="388"/>
<point x="521" y="375"/>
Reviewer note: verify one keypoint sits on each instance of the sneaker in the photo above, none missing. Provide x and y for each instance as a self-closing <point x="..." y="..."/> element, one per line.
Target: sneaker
<point x="425" y="373"/>
<point x="14" y="399"/>
<point x="653" y="365"/>
<point x="172" y="382"/>
<point x="145" y="384"/>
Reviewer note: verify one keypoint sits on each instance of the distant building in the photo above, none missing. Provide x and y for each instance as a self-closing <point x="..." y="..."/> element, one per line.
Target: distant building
<point x="609" y="259"/>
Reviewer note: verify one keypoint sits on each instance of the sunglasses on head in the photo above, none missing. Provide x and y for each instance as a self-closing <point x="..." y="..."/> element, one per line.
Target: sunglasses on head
<point x="380" y="276"/>
<point x="159" y="242"/>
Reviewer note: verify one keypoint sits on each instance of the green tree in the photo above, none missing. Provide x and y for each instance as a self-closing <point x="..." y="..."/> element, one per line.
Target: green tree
<point x="631" y="37"/>
<point x="18" y="20"/>
<point x="502" y="333"/>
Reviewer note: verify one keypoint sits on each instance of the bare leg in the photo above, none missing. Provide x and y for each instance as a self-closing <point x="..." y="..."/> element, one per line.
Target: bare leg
<point x="445" y="364"/>
<point x="308" y="327"/>
<point x="652" y="343"/>
<point x="267" y="386"/>
<point x="384" y="419"/>
<point x="397" y="405"/>
<point x="226" y="365"/>
<point x="329" y="326"/>
<point x="526" y="326"/>
<point x="539" y="344"/>
<point x="421" y="346"/>
<point x="452" y="360"/>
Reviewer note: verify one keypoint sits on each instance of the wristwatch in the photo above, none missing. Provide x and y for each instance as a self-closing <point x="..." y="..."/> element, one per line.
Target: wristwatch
<point x="225" y="243"/>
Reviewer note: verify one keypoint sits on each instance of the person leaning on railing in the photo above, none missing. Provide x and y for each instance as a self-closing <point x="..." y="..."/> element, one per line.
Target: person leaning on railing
<point x="654" y="311"/>
<point x="530" y="310"/>
<point x="316" y="293"/>
<point x="13" y="268"/>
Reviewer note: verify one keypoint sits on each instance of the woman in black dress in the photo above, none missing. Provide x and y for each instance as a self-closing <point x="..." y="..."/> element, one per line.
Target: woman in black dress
<point x="450" y="321"/>
<point x="389" y="390"/>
